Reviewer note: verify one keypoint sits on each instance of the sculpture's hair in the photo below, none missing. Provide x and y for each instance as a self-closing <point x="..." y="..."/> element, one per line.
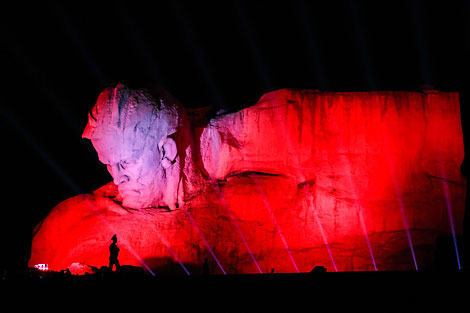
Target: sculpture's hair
<point x="142" y="111"/>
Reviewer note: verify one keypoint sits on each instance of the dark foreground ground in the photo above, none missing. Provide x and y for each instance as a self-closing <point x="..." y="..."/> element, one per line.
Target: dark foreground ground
<point x="312" y="292"/>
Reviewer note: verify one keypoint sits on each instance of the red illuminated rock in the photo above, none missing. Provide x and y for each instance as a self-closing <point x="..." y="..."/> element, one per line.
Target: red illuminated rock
<point x="302" y="178"/>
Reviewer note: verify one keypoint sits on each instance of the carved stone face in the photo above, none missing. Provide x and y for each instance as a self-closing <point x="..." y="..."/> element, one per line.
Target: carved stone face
<point x="140" y="178"/>
<point x="129" y="132"/>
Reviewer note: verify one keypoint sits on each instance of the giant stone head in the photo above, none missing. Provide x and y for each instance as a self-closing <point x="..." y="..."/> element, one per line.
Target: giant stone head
<point x="132" y="132"/>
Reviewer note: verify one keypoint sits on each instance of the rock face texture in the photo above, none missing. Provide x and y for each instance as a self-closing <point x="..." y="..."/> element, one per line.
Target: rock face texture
<point x="349" y="181"/>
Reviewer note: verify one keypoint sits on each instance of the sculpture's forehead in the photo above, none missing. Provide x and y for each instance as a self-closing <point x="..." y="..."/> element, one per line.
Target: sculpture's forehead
<point x="115" y="143"/>
<point x="114" y="147"/>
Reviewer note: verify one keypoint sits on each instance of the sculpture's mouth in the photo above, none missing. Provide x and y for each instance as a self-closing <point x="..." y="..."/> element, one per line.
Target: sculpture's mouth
<point x="129" y="192"/>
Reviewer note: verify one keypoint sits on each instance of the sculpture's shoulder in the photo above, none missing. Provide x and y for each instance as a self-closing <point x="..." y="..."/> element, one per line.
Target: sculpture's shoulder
<point x="69" y="221"/>
<point x="109" y="190"/>
<point x="76" y="208"/>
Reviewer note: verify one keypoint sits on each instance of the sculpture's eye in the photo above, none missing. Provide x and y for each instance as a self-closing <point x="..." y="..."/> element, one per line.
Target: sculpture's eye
<point x="90" y="114"/>
<point x="123" y="164"/>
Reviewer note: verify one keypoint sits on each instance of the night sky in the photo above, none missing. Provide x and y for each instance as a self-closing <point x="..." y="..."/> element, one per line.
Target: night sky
<point x="57" y="57"/>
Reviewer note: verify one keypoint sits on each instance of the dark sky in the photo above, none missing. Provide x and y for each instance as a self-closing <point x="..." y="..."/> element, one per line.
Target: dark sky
<point x="57" y="57"/>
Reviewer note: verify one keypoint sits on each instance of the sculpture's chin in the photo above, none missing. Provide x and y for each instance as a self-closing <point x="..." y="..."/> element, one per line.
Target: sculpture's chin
<point x="134" y="202"/>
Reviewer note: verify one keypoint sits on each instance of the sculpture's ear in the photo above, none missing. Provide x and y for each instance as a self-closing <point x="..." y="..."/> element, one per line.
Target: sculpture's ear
<point x="168" y="151"/>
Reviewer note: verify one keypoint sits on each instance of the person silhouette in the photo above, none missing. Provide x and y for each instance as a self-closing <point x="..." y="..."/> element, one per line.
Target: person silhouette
<point x="113" y="254"/>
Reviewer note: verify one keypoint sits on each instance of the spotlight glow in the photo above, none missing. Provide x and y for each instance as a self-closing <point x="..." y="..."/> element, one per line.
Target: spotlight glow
<point x="450" y="213"/>
<point x="193" y="223"/>
<point x="267" y="206"/>
<point x="348" y="169"/>
<point x="399" y="197"/>
<point x="229" y="212"/>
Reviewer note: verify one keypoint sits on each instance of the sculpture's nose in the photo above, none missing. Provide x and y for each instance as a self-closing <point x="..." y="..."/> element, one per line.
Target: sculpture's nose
<point x="120" y="179"/>
<point x="118" y="174"/>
